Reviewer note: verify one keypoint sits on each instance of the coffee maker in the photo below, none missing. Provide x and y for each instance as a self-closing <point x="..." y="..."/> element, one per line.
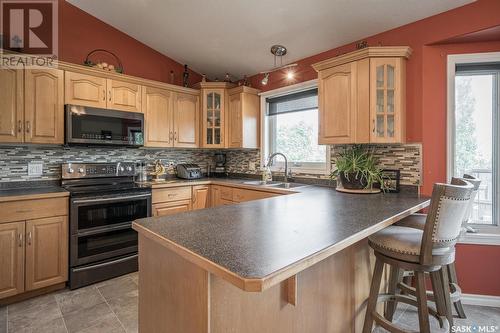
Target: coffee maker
<point x="220" y="165"/>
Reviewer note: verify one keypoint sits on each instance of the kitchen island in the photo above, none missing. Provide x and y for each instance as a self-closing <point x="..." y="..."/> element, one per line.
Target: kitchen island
<point x="292" y="263"/>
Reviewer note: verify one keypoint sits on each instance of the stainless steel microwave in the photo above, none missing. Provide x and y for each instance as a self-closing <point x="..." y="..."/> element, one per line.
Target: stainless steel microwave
<point x="94" y="126"/>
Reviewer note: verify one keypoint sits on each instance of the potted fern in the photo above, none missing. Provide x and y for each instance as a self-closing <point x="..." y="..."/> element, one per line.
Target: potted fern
<point x="357" y="169"/>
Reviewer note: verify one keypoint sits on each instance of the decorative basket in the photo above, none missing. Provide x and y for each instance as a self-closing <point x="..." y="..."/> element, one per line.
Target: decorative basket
<point x="104" y="65"/>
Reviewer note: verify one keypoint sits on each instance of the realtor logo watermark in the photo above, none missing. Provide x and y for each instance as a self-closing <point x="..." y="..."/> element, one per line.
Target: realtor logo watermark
<point x="29" y="33"/>
<point x="475" y="329"/>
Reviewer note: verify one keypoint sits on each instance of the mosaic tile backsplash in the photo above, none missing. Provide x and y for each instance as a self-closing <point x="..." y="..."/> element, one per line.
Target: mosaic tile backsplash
<point x="407" y="158"/>
<point x="14" y="159"/>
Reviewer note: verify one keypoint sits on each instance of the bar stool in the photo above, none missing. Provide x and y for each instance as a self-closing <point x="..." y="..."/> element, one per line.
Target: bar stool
<point x="417" y="221"/>
<point x="420" y="251"/>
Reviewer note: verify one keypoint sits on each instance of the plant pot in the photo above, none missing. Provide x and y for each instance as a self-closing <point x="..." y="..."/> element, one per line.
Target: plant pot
<point x="352" y="183"/>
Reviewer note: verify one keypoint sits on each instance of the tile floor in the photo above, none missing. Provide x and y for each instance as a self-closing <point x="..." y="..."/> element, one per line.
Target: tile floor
<point x="106" y="307"/>
<point x="111" y="307"/>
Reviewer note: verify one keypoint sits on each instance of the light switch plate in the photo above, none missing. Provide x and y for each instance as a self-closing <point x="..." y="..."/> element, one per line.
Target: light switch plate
<point x="35" y="168"/>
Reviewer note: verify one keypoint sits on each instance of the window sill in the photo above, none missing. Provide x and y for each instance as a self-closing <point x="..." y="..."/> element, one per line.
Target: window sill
<point x="481" y="239"/>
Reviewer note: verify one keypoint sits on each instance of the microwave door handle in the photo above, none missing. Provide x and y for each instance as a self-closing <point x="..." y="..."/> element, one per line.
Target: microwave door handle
<point x="113" y="199"/>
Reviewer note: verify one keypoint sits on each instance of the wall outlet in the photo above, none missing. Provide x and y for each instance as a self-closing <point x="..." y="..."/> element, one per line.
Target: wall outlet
<point x="35" y="168"/>
<point x="251" y="166"/>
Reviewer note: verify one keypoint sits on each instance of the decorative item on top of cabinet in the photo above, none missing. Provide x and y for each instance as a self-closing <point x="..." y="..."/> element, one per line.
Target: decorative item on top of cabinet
<point x="213" y="115"/>
<point x="243" y="118"/>
<point x="362" y="96"/>
<point x="101" y="64"/>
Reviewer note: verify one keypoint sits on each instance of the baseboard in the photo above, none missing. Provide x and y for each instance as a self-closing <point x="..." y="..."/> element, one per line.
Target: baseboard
<point x="483" y="300"/>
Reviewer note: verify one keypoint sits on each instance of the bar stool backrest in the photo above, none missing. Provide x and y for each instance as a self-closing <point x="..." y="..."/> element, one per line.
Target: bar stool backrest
<point x="448" y="207"/>
<point x="475" y="182"/>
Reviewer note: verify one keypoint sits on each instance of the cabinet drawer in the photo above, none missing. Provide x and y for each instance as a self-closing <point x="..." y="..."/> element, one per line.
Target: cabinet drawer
<point x="226" y="193"/>
<point x="33" y="209"/>
<point x="171" y="208"/>
<point x="241" y="195"/>
<point x="171" y="194"/>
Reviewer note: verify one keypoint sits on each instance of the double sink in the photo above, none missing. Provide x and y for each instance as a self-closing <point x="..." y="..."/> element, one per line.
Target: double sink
<point x="272" y="184"/>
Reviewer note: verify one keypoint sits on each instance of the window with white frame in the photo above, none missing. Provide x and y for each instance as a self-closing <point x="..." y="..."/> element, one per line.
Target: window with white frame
<point x="291" y="121"/>
<point x="474" y="128"/>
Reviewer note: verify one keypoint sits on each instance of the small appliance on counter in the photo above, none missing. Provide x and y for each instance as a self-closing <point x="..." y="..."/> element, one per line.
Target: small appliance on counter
<point x="220" y="165"/>
<point x="188" y="171"/>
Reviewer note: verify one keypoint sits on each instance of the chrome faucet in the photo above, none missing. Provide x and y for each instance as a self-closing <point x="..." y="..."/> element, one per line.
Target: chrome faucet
<point x="288" y="173"/>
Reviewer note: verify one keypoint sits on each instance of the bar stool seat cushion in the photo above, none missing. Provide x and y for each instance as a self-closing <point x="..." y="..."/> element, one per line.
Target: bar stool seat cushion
<point x="415" y="221"/>
<point x="401" y="243"/>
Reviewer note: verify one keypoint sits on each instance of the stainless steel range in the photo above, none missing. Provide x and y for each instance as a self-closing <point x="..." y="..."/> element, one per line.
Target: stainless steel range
<point x="104" y="200"/>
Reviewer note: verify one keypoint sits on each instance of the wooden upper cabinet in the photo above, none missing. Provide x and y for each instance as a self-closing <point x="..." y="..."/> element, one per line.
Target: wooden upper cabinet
<point x="362" y="96"/>
<point x="234" y="121"/>
<point x="340" y="119"/>
<point x="186" y="120"/>
<point x="123" y="96"/>
<point x="158" y="119"/>
<point x="85" y="90"/>
<point x="11" y="259"/>
<point x="44" y="106"/>
<point x="11" y="106"/>
<point x="46" y="252"/>
<point x="213" y="118"/>
<point x="387" y="93"/>
<point x="201" y="197"/>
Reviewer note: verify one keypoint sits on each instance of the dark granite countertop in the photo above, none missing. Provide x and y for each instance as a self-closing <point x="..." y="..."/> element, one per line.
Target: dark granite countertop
<point x="259" y="243"/>
<point x="30" y="190"/>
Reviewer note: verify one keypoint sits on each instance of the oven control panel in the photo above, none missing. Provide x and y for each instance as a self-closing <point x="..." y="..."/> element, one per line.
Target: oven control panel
<point x="93" y="170"/>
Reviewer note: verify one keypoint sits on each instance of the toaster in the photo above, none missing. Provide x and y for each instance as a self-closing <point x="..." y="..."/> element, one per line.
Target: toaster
<point x="188" y="171"/>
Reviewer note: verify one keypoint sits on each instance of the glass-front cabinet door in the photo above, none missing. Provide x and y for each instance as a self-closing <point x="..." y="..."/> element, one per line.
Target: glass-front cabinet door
<point x="213" y="118"/>
<point x="386" y="109"/>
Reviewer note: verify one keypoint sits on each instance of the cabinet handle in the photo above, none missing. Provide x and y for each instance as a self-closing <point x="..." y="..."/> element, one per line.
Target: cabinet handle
<point x="104" y="95"/>
<point x="20" y="239"/>
<point x="175" y="136"/>
<point x="20" y="126"/>
<point x="29" y="238"/>
<point x="194" y="198"/>
<point x="28" y="126"/>
<point x="373" y="130"/>
<point x="109" y="95"/>
<point x="170" y="135"/>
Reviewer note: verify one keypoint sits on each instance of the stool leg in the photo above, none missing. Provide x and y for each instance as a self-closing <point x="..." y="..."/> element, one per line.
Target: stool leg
<point x="372" y="299"/>
<point x="394" y="277"/>
<point x="446" y="293"/>
<point x="423" y="311"/>
<point x="453" y="279"/>
<point x="437" y="289"/>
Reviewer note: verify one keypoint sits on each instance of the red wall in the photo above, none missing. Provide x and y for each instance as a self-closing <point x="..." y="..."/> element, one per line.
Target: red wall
<point x="80" y="33"/>
<point x="477" y="266"/>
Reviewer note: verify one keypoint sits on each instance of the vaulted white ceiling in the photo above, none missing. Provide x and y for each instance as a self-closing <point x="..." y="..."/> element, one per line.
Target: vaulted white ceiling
<point x="218" y="36"/>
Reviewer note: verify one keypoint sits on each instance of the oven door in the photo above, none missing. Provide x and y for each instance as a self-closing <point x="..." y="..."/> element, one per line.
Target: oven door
<point x="86" y="125"/>
<point x="95" y="246"/>
<point x="101" y="227"/>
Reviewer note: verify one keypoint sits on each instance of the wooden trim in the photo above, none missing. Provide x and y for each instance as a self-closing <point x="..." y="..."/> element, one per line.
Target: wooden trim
<point x="123" y="77"/>
<point x="260" y="284"/>
<point x="214" y="85"/>
<point x="31" y="294"/>
<point x="369" y="52"/>
<point x="291" y="290"/>
<point x="243" y="89"/>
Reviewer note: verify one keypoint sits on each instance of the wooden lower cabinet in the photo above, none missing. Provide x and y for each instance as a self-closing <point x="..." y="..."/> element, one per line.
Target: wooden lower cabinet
<point x="225" y="195"/>
<point x="33" y="245"/>
<point x="242" y="195"/>
<point x="11" y="259"/>
<point x="201" y="197"/>
<point x="46" y="252"/>
<point x="170" y="208"/>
